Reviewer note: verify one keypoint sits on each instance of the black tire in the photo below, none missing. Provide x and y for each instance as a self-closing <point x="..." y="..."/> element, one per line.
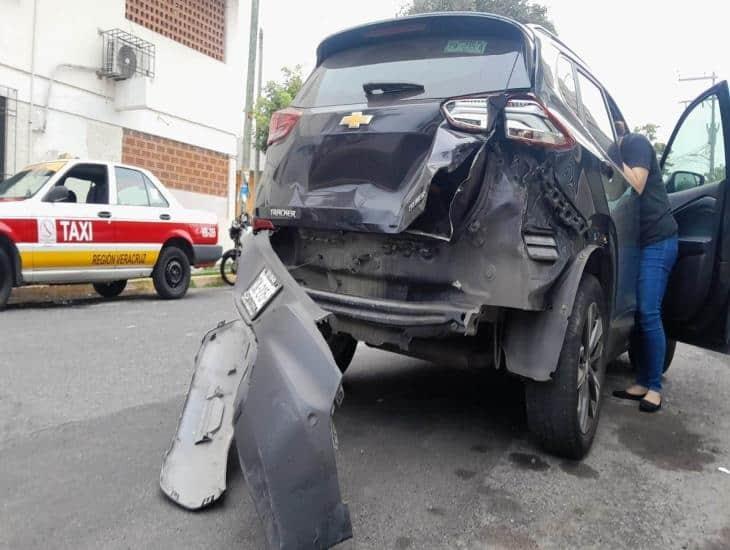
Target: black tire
<point x="343" y="348"/>
<point x="668" y="356"/>
<point x="563" y="414"/>
<point x="171" y="275"/>
<point x="6" y="278"/>
<point x="110" y="290"/>
<point x="229" y="265"/>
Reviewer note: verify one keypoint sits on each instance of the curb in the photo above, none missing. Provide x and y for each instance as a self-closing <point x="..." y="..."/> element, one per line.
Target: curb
<point x="41" y="293"/>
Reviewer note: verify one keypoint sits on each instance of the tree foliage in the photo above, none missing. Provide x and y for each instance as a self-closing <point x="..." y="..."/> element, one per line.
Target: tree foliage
<point x="650" y="131"/>
<point x="275" y="96"/>
<point x="524" y="11"/>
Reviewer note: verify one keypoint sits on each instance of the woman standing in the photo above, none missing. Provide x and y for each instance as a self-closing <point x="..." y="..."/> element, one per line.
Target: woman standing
<point x="658" y="241"/>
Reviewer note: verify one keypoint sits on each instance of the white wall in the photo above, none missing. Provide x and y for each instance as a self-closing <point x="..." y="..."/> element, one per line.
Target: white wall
<point x="193" y="97"/>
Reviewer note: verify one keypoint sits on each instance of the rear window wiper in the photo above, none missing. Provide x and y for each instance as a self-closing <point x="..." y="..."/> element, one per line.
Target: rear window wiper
<point x="382" y="88"/>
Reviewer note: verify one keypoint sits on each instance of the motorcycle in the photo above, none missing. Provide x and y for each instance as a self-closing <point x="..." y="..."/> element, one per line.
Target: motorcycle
<point x="229" y="260"/>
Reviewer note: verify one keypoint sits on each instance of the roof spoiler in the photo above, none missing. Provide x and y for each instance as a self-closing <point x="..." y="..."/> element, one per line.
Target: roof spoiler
<point x="419" y="24"/>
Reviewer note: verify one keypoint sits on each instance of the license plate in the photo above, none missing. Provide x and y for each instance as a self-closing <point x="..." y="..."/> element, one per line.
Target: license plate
<point x="260" y="293"/>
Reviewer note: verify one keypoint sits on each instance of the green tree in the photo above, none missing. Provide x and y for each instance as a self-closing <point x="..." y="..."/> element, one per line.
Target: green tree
<point x="650" y="131"/>
<point x="524" y="11"/>
<point x="275" y="96"/>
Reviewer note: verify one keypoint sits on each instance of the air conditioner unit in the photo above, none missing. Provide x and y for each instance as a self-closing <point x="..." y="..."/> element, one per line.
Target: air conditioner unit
<point x="124" y="56"/>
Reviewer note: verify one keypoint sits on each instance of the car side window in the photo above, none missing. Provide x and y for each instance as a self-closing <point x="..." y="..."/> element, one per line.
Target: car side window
<point x="156" y="198"/>
<point x="131" y="187"/>
<point x="597" y="117"/>
<point x="566" y="82"/>
<point x="88" y="184"/>
<point x="697" y="154"/>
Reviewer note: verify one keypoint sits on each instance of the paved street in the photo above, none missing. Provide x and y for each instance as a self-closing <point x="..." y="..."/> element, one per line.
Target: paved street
<point x="430" y="457"/>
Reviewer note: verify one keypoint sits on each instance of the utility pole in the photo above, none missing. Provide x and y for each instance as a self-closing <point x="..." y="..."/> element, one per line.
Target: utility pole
<point x="712" y="128"/>
<point x="257" y="162"/>
<point x="250" y="80"/>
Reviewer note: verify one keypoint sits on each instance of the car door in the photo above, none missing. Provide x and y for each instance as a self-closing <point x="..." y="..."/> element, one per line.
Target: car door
<point x="74" y="235"/>
<point x="143" y="216"/>
<point x="694" y="166"/>
<point x="600" y="116"/>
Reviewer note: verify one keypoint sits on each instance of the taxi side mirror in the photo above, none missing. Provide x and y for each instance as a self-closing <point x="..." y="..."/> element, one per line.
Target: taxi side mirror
<point x="60" y="193"/>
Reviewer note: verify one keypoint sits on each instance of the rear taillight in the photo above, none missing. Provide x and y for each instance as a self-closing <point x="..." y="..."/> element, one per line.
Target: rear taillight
<point x="282" y="122"/>
<point x="529" y="121"/>
<point x="469" y="113"/>
<point x="262" y="224"/>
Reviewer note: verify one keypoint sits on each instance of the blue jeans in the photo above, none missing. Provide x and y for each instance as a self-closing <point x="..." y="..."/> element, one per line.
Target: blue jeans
<point x="650" y="342"/>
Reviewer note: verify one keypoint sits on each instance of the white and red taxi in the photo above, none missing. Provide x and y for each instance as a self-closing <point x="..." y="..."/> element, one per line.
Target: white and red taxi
<point x="80" y="221"/>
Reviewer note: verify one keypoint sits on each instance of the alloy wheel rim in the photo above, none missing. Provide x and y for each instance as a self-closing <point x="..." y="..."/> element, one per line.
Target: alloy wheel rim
<point x="589" y="363"/>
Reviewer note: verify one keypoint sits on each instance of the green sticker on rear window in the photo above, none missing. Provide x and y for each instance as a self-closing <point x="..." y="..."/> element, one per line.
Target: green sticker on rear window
<point x="470" y="47"/>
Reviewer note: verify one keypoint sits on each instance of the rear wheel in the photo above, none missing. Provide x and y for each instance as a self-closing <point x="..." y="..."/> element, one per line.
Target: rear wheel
<point x="343" y="348"/>
<point x="563" y="413"/>
<point x="171" y="276"/>
<point x="110" y="290"/>
<point x="6" y="278"/>
<point x="229" y="266"/>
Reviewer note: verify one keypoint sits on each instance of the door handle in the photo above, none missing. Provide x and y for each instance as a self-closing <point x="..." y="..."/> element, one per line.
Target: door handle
<point x="164" y="216"/>
<point x="105" y="214"/>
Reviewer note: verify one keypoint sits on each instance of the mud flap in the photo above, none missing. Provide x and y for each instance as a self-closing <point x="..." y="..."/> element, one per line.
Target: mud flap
<point x="287" y="387"/>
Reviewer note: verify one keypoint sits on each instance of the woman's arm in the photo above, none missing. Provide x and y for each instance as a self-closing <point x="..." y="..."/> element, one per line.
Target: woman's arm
<point x="636" y="177"/>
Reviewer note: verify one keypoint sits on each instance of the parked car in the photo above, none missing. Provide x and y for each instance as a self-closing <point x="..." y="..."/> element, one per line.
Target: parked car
<point x="81" y="221"/>
<point x="445" y="186"/>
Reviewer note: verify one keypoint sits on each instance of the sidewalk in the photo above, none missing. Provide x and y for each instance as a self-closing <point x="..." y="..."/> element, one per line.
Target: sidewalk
<point x="53" y="293"/>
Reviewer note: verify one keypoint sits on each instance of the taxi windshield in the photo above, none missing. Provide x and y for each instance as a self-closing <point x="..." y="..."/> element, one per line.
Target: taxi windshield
<point x="27" y="182"/>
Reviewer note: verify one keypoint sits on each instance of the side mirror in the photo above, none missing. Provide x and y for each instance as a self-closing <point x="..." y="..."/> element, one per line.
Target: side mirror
<point x="681" y="180"/>
<point x="60" y="193"/>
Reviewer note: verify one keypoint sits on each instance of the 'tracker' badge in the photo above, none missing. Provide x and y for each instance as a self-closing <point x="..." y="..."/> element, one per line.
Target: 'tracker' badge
<point x="355" y="120"/>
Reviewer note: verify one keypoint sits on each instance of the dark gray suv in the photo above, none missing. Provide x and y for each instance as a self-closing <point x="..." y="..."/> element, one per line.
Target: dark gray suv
<point x="449" y="187"/>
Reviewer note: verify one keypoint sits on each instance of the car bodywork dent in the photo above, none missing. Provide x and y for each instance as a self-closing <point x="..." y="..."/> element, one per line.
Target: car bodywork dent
<point x="516" y="235"/>
<point x="280" y="412"/>
<point x="375" y="182"/>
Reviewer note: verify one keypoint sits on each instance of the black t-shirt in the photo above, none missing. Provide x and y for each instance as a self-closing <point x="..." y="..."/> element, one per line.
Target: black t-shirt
<point x="656" y="219"/>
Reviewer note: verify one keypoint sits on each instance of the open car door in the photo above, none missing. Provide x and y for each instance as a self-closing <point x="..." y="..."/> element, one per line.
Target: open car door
<point x="694" y="166"/>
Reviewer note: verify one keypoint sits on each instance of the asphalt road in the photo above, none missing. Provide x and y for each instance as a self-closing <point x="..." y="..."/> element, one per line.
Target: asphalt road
<point x="430" y="457"/>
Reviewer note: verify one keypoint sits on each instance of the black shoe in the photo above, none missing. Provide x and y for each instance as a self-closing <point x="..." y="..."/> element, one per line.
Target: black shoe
<point x="623" y="394"/>
<point x="649" y="407"/>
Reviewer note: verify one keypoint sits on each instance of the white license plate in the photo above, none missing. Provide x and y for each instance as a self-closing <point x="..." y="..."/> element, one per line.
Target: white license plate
<point x="260" y="293"/>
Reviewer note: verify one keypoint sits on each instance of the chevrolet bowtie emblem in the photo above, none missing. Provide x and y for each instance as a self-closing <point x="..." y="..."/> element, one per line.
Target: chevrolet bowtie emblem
<point x="355" y="120"/>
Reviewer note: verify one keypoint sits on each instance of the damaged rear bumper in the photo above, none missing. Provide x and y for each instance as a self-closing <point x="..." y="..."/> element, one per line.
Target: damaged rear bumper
<point x="398" y="313"/>
<point x="270" y="379"/>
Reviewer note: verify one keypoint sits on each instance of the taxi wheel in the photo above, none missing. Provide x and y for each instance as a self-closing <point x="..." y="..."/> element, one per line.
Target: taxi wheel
<point x="6" y="278"/>
<point x="110" y="290"/>
<point x="171" y="276"/>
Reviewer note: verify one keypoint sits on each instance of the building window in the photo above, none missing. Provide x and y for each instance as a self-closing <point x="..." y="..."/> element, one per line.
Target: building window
<point x="199" y="24"/>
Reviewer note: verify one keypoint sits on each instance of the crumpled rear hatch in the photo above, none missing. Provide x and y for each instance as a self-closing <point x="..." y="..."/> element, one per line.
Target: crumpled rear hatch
<point x="368" y="147"/>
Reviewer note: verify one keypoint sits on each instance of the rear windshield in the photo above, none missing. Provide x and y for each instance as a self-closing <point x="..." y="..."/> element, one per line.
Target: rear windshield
<point x="446" y="66"/>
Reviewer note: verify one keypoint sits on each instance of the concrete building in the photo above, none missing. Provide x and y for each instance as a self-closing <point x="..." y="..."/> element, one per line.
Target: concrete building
<point x="155" y="83"/>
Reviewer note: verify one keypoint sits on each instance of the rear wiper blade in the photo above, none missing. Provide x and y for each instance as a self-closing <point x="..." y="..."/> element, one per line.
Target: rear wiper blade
<point x="381" y="88"/>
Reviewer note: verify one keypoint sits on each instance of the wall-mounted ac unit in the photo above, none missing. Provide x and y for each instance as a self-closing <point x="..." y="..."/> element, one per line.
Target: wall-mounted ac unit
<point x="124" y="56"/>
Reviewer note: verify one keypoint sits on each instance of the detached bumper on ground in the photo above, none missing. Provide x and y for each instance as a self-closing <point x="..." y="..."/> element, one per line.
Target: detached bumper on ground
<point x="270" y="379"/>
